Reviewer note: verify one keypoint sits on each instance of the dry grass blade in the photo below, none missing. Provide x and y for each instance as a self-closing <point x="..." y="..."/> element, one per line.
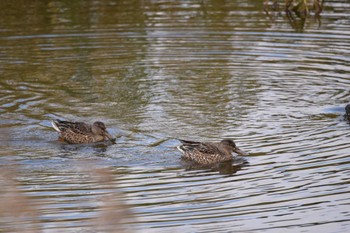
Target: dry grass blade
<point x="113" y="214"/>
<point x="18" y="213"/>
<point x="21" y="213"/>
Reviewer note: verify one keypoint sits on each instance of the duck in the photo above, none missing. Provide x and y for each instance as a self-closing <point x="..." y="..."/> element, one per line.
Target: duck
<point x="208" y="153"/>
<point x="347" y="112"/>
<point x="80" y="132"/>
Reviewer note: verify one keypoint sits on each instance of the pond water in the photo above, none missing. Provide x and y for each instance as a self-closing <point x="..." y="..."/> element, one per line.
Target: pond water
<point x="156" y="71"/>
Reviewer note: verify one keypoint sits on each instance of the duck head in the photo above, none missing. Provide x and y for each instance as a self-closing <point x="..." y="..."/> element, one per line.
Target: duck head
<point x="230" y="146"/>
<point x="99" y="128"/>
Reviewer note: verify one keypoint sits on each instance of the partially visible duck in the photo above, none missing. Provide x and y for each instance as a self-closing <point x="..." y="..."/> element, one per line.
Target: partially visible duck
<point x="80" y="132"/>
<point x="207" y="153"/>
<point x="347" y="112"/>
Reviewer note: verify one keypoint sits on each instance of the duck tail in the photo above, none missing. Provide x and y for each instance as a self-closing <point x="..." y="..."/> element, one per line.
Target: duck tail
<point x="180" y="148"/>
<point x="54" y="124"/>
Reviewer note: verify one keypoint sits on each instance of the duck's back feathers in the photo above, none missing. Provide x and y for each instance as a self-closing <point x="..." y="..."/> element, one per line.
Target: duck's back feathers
<point x="76" y="127"/>
<point x="201" y="147"/>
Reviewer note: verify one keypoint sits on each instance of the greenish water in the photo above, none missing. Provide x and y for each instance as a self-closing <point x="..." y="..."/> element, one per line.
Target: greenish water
<point x="155" y="71"/>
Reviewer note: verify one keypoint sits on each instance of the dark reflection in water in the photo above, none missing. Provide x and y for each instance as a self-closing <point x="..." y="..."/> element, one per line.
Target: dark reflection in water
<point x="225" y="168"/>
<point x="154" y="71"/>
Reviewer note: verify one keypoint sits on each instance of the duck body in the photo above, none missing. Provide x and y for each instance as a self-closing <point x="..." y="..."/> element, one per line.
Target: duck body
<point x="80" y="132"/>
<point x="207" y="153"/>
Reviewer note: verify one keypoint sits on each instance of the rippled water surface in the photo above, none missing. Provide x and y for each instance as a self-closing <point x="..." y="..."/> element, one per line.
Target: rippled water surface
<point x="155" y="71"/>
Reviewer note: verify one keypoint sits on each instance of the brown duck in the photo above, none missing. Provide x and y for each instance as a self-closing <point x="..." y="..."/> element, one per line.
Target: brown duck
<point x="207" y="153"/>
<point x="80" y="132"/>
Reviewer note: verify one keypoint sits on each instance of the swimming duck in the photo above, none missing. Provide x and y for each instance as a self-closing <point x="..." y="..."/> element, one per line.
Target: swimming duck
<point x="207" y="153"/>
<point x="80" y="132"/>
<point x="347" y="112"/>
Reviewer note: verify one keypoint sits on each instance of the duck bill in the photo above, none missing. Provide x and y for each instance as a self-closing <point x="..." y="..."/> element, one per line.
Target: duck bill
<point x="109" y="136"/>
<point x="240" y="152"/>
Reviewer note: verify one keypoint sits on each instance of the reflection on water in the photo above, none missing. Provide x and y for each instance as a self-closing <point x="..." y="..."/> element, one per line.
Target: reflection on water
<point x="225" y="168"/>
<point x="157" y="71"/>
<point x="296" y="11"/>
<point x="64" y="196"/>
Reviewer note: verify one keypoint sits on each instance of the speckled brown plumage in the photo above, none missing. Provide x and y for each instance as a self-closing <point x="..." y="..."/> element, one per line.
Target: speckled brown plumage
<point x="207" y="152"/>
<point x="80" y="132"/>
